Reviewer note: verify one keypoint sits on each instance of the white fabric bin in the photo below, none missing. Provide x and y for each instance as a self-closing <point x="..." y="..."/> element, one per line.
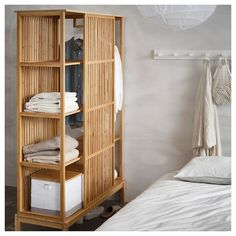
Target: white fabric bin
<point x="45" y="192"/>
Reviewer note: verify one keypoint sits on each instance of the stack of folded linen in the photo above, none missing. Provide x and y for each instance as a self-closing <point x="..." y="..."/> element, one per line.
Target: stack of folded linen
<point x="50" y="102"/>
<point x="48" y="151"/>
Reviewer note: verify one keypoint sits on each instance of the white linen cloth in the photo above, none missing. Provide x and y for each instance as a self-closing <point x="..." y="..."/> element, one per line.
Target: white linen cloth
<point x="206" y="132"/>
<point x="51" y="103"/>
<point x="70" y="155"/>
<point x="172" y="205"/>
<point x="118" y="81"/>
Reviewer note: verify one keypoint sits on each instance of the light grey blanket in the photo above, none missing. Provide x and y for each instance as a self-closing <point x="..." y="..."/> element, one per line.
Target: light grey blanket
<point x="53" y="159"/>
<point x="51" y="144"/>
<point x="43" y="153"/>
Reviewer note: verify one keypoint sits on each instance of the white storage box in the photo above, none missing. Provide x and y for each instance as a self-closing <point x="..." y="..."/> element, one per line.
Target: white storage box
<point x="45" y="192"/>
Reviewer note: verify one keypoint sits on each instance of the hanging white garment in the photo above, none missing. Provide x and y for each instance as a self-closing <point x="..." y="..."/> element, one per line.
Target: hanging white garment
<point x="221" y="91"/>
<point x="118" y="81"/>
<point x="206" y="133"/>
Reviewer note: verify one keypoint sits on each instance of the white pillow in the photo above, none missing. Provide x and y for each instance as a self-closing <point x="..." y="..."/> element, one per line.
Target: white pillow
<point x="207" y="169"/>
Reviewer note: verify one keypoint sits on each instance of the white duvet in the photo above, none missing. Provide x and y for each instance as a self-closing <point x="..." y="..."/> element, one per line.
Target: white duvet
<point x="173" y="205"/>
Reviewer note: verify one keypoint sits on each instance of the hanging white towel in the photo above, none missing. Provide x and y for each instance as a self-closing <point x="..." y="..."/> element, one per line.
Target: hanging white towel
<point x="118" y="81"/>
<point x="206" y="133"/>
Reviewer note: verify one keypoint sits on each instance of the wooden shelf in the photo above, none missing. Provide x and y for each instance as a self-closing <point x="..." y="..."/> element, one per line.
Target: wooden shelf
<point x="48" y="166"/>
<point x="40" y="215"/>
<point x="73" y="62"/>
<point x="53" y="175"/>
<point x="73" y="161"/>
<point x="51" y="63"/>
<point x="47" y="115"/>
<point x="74" y="112"/>
<point x="40" y="165"/>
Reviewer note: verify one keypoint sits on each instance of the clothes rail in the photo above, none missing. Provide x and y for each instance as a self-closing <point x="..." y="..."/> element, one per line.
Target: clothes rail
<point x="190" y="54"/>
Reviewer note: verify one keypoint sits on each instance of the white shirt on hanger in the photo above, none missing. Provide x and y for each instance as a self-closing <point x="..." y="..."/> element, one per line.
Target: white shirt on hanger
<point x="118" y="81"/>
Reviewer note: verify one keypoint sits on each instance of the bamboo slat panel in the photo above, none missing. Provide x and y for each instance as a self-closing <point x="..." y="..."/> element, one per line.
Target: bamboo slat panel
<point x="100" y="81"/>
<point x="98" y="106"/>
<point x="39" y="39"/>
<point x="99" y="174"/>
<point x="26" y="185"/>
<point x="100" y="43"/>
<point x="99" y="133"/>
<point x="37" y="80"/>
<point x="39" y="42"/>
<point x="38" y="129"/>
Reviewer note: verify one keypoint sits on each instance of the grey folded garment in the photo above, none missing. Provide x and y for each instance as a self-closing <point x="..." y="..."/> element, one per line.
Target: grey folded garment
<point x="51" y="144"/>
<point x="53" y="159"/>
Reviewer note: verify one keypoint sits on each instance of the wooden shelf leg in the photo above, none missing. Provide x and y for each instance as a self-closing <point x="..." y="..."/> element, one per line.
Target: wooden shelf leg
<point x="17" y="223"/>
<point x="65" y="227"/>
<point x="122" y="194"/>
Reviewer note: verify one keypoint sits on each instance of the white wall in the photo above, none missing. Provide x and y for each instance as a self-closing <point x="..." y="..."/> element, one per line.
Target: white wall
<point x="159" y="95"/>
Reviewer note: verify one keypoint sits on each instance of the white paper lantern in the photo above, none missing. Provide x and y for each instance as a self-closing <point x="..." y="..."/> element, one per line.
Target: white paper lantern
<point x="177" y="17"/>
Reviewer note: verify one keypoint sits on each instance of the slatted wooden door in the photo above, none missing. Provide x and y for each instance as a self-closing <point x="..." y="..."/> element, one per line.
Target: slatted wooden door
<point x="99" y="42"/>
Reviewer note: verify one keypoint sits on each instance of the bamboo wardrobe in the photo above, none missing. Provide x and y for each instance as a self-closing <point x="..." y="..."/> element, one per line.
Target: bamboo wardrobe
<point x="41" y="68"/>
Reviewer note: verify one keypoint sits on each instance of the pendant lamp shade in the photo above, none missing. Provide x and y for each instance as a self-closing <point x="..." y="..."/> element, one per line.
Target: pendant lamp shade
<point x="177" y="17"/>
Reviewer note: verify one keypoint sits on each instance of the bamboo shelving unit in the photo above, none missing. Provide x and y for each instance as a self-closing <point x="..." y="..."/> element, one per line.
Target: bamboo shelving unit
<point x="41" y="67"/>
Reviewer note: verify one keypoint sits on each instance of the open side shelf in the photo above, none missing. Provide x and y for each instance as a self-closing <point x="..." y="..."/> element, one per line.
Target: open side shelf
<point x="48" y="115"/>
<point x="48" y="166"/>
<point x="51" y="63"/>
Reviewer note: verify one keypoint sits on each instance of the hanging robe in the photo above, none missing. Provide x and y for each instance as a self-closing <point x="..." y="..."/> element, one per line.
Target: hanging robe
<point x="206" y="132"/>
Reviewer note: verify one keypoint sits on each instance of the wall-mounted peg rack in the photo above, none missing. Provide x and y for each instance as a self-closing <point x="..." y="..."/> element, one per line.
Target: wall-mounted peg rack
<point x="190" y="54"/>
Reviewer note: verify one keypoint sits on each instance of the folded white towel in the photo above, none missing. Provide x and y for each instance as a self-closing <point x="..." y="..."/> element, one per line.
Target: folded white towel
<point x="50" y="109"/>
<point x="74" y="153"/>
<point x="51" y="101"/>
<point x="53" y="95"/>
<point x="49" y="105"/>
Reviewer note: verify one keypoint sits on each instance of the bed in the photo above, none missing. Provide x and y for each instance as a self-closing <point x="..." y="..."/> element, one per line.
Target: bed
<point x="175" y="205"/>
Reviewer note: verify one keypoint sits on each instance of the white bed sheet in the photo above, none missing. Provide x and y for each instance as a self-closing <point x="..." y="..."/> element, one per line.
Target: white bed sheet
<point x="173" y="205"/>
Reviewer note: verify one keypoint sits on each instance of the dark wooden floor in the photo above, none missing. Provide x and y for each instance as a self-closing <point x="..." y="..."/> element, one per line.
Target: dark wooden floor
<point x="10" y="210"/>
